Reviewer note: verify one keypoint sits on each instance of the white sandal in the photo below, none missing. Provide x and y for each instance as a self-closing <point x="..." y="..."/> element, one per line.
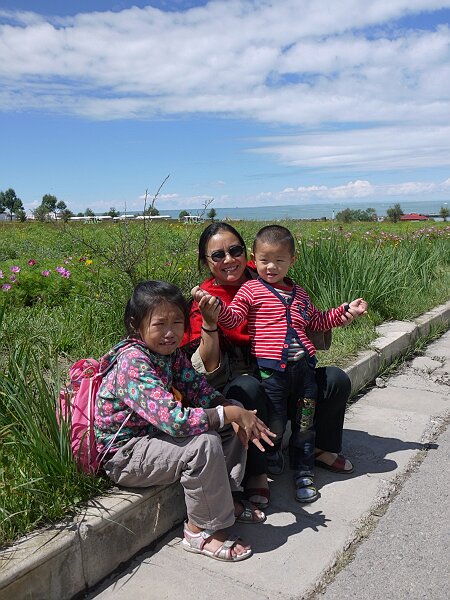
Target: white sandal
<point x="195" y="542"/>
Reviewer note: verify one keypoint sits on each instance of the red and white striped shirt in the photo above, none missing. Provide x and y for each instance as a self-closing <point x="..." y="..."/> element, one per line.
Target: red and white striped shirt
<point x="273" y="320"/>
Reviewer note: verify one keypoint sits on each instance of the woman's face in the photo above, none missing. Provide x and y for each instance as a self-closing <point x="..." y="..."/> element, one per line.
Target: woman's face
<point x="229" y="270"/>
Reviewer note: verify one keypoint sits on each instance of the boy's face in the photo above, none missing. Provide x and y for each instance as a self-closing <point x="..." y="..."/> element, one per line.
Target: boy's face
<point x="273" y="261"/>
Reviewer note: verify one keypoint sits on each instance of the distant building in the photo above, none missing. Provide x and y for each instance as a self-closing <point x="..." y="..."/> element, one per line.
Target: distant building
<point x="193" y="219"/>
<point x="154" y="217"/>
<point x="413" y="217"/>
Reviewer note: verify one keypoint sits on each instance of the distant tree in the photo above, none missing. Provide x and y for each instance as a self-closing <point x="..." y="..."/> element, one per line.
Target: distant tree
<point x="444" y="212"/>
<point x="347" y="215"/>
<point x="152" y="211"/>
<point x="65" y="214"/>
<point x="41" y="213"/>
<point x="21" y="215"/>
<point x="211" y="214"/>
<point x="394" y="213"/>
<point x="89" y="213"/>
<point x="113" y="212"/>
<point x="9" y="201"/>
<point x="182" y="214"/>
<point x="61" y="206"/>
<point x="49" y="202"/>
<point x="80" y="214"/>
<point x="344" y="216"/>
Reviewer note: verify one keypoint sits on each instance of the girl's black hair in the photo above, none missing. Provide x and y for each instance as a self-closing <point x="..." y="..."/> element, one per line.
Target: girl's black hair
<point x="208" y="233"/>
<point x="275" y="234"/>
<point x="146" y="296"/>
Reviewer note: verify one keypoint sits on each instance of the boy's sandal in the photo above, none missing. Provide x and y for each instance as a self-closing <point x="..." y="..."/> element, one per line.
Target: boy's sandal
<point x="337" y="466"/>
<point x="249" y="515"/>
<point x="195" y="542"/>
<point x="254" y="496"/>
<point x="305" y="491"/>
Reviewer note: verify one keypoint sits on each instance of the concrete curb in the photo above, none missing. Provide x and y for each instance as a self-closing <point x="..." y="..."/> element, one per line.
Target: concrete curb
<point x="66" y="559"/>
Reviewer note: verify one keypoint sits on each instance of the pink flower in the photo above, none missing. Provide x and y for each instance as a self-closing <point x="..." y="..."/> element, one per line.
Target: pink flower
<point x="13" y="279"/>
<point x="15" y="269"/>
<point x="1" y="274"/>
<point x="163" y="414"/>
<point x="66" y="274"/>
<point x="6" y="287"/>
<point x="45" y="273"/>
<point x="31" y="262"/>
<point x="108" y="408"/>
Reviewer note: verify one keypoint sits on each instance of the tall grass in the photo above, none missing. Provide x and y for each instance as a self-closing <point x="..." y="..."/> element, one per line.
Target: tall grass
<point x="39" y="479"/>
<point x="394" y="279"/>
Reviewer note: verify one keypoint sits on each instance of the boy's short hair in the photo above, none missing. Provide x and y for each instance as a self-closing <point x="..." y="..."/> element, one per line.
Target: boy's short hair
<point x="275" y="234"/>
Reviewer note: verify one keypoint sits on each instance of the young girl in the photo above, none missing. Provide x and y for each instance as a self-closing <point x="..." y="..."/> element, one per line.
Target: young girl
<point x="158" y="421"/>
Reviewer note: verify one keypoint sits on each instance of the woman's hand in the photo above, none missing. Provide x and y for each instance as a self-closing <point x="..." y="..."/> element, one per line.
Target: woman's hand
<point x="209" y="307"/>
<point x="198" y="293"/>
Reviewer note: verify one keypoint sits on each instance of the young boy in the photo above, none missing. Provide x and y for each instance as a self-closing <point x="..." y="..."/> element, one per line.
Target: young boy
<point x="278" y="312"/>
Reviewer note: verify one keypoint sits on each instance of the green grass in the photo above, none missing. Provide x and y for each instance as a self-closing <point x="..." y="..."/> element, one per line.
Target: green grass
<point x="46" y="323"/>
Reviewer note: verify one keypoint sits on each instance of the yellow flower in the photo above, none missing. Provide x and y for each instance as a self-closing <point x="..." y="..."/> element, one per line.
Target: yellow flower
<point x="89" y="261"/>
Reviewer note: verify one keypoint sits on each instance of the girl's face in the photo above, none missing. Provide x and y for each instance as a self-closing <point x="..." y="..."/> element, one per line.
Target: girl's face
<point x="164" y="330"/>
<point x="225" y="260"/>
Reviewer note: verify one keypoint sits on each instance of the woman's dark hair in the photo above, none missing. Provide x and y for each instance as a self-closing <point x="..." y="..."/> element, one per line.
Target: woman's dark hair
<point x="146" y="296"/>
<point x="275" y="235"/>
<point x="208" y="233"/>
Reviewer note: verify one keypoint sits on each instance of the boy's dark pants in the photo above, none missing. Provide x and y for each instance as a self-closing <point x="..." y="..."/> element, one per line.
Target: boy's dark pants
<point x="284" y="390"/>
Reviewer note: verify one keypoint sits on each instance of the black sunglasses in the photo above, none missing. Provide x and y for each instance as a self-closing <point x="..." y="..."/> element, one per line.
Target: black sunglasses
<point x="233" y="251"/>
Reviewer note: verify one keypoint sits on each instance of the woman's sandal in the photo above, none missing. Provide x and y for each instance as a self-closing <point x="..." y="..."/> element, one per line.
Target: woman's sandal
<point x="195" y="542"/>
<point x="253" y="495"/>
<point x="305" y="491"/>
<point x="248" y="515"/>
<point x="337" y="466"/>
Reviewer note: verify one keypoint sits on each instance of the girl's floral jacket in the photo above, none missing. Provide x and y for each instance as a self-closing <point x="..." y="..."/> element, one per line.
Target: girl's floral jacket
<point x="139" y="386"/>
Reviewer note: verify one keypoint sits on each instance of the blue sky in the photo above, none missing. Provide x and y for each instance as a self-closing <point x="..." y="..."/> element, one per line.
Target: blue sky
<point x="252" y="103"/>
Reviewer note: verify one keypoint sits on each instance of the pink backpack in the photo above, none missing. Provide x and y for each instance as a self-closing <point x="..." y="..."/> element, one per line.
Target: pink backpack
<point x="77" y="408"/>
<point x="77" y="405"/>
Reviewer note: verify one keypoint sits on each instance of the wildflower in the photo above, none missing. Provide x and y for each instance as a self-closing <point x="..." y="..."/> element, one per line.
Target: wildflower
<point x="60" y="270"/>
<point x="13" y="279"/>
<point x="88" y="261"/>
<point x="6" y="287"/>
<point x="1" y="274"/>
<point x="15" y="269"/>
<point x="66" y="274"/>
<point x="31" y="262"/>
<point x="82" y="259"/>
<point x="45" y="273"/>
<point x="66" y="262"/>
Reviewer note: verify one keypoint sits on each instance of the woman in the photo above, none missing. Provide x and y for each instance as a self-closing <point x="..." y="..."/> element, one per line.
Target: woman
<point x="223" y="355"/>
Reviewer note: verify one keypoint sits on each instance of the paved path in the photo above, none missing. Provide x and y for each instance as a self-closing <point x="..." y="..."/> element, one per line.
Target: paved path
<point x="298" y="546"/>
<point x="408" y="555"/>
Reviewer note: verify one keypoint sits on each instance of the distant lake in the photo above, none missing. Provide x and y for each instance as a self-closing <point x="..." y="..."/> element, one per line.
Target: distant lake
<point x="308" y="211"/>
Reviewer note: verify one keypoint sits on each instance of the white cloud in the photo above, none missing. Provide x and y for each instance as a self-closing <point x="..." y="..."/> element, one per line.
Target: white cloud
<point x="366" y="95"/>
<point x="229" y="57"/>
<point x="371" y="149"/>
